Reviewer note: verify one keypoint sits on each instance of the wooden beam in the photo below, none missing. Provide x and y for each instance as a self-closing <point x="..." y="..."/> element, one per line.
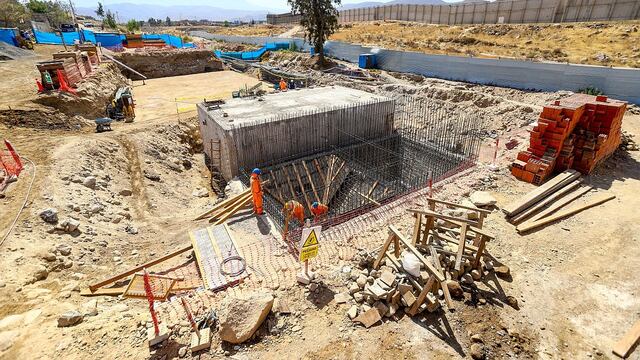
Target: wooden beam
<point x="432" y="270"/>
<point x="383" y="251"/>
<point x="564" y="201"/>
<point x="231" y="212"/>
<point x="459" y="206"/>
<point x="625" y="345"/>
<point x="221" y="204"/>
<point x="231" y="206"/>
<point x="372" y="188"/>
<point x="313" y="186"/>
<point x="461" y="244"/>
<point x="443" y="286"/>
<point x="367" y="198"/>
<point x="541" y="191"/>
<point x="416" y="229"/>
<point x="426" y="289"/>
<point x="563" y="214"/>
<point x="304" y="192"/>
<point x="530" y="211"/>
<point x="134" y="270"/>
<point x="272" y="174"/>
<point x="454" y="220"/>
<point x="327" y="185"/>
<point x="338" y="171"/>
<point x="286" y="175"/>
<point x="319" y="168"/>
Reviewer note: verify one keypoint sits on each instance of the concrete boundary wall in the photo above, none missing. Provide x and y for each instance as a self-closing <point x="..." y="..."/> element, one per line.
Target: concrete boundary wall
<point x="508" y="12"/>
<point x="618" y="83"/>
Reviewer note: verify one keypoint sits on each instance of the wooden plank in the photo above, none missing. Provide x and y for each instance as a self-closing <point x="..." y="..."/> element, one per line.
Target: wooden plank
<point x="232" y="205"/>
<point x="422" y="296"/>
<point x="338" y="171"/>
<point x="461" y="244"/>
<point x="541" y="191"/>
<point x="443" y="285"/>
<point x="304" y="192"/>
<point x="286" y="175"/>
<point x="319" y="168"/>
<point x="563" y="214"/>
<point x="454" y="220"/>
<point x="416" y="229"/>
<point x="231" y="212"/>
<point x="530" y="211"/>
<point x="313" y="186"/>
<point x="134" y="270"/>
<point x="430" y="268"/>
<point x="221" y="205"/>
<point x="271" y="176"/>
<point x="564" y="201"/>
<point x="367" y="198"/>
<point x="459" y="206"/>
<point x="383" y="251"/>
<point x="625" y="345"/>
<point x="373" y="187"/>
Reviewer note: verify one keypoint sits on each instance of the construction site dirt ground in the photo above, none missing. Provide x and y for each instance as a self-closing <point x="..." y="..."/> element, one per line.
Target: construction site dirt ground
<point x="576" y="280"/>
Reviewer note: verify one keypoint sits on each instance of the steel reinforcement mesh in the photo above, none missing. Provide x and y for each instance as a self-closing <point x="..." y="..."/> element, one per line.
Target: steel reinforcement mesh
<point x="427" y="143"/>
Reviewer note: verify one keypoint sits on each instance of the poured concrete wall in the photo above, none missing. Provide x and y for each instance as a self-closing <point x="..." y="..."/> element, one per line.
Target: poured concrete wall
<point x="286" y="126"/>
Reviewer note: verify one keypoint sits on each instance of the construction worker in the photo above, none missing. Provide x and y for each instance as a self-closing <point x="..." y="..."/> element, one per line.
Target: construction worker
<point x="256" y="191"/>
<point x="291" y="209"/>
<point x="283" y="85"/>
<point x="318" y="210"/>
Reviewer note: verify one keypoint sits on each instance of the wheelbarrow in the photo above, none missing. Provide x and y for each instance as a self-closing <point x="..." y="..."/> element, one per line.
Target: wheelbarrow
<point x="103" y="124"/>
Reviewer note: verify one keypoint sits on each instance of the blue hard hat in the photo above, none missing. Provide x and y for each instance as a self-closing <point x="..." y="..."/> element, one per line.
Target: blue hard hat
<point x="256" y="171"/>
<point x="315" y="204"/>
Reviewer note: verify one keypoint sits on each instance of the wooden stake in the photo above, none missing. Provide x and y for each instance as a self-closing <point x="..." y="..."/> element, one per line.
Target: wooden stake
<point x="624" y="346"/>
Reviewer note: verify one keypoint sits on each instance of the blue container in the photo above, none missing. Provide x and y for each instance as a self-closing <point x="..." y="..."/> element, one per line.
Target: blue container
<point x="367" y="61"/>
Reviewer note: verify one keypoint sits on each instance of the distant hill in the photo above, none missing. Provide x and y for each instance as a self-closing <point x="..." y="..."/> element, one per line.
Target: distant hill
<point x="126" y="11"/>
<point x="394" y="2"/>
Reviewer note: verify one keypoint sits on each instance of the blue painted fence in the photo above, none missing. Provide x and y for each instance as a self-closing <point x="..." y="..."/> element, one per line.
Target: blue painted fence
<point x="255" y="54"/>
<point x="8" y="36"/>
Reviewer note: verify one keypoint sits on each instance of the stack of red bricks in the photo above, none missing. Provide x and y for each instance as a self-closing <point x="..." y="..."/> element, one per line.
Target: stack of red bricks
<point x="578" y="133"/>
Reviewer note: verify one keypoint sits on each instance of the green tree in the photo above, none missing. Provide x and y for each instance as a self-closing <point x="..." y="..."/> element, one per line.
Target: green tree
<point x="13" y="13"/>
<point x="133" y="25"/>
<point x="110" y="20"/>
<point x="100" y="11"/>
<point x="151" y="21"/>
<point x="37" y="6"/>
<point x="319" y="19"/>
<point x="168" y="21"/>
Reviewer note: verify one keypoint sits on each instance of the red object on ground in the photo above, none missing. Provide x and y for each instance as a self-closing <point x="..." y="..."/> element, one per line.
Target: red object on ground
<point x="578" y="132"/>
<point x="63" y="83"/>
<point x="149" y="291"/>
<point x="40" y="87"/>
<point x="11" y="162"/>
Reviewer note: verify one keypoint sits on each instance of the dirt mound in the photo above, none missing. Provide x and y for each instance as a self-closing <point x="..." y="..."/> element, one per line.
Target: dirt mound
<point x="41" y="117"/>
<point x="163" y="63"/>
<point x="93" y="94"/>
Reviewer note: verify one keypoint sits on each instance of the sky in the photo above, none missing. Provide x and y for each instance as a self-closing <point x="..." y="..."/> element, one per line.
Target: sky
<point x="272" y="5"/>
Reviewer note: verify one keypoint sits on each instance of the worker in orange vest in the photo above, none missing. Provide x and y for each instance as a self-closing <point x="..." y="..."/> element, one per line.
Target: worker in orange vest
<point x="283" y="85"/>
<point x="318" y="210"/>
<point x="256" y="191"/>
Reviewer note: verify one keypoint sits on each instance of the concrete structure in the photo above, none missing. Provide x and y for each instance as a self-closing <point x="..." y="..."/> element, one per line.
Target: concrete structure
<point x="617" y="83"/>
<point x="286" y="18"/>
<point x="244" y="133"/>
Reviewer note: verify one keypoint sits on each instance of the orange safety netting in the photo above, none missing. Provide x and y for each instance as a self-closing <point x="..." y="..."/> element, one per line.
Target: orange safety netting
<point x="10" y="161"/>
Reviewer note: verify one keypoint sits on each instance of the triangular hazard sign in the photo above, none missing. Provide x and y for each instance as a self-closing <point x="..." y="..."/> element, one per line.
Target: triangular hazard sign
<point x="311" y="240"/>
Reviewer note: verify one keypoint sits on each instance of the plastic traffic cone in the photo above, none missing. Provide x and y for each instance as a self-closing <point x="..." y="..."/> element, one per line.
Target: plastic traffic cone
<point x="63" y="83"/>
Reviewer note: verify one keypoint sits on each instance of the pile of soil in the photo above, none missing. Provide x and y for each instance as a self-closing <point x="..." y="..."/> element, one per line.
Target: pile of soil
<point x="164" y="63"/>
<point x="93" y="94"/>
<point x="40" y="117"/>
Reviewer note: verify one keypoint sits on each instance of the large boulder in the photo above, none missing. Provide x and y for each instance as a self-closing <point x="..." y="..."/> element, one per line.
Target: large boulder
<point x="482" y="199"/>
<point x="242" y="315"/>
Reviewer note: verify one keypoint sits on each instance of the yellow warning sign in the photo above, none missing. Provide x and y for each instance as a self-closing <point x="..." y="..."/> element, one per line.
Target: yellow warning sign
<point x="309" y="242"/>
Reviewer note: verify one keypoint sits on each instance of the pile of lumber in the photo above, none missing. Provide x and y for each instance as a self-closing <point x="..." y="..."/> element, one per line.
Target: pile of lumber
<point x="542" y="206"/>
<point x="76" y="56"/>
<point x="450" y="247"/>
<point x="578" y="132"/>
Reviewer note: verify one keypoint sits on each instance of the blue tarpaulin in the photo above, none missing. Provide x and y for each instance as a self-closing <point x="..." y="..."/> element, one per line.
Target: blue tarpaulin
<point x="255" y="54"/>
<point x="108" y="40"/>
<point x="8" y="36"/>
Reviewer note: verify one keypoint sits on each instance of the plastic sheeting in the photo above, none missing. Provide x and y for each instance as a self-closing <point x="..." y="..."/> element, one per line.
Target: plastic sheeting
<point x="43" y="37"/>
<point x="108" y="40"/>
<point x="255" y="54"/>
<point x="8" y="36"/>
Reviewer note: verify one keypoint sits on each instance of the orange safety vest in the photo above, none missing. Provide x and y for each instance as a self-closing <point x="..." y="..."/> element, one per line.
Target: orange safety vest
<point x="320" y="210"/>
<point x="256" y="193"/>
<point x="295" y="209"/>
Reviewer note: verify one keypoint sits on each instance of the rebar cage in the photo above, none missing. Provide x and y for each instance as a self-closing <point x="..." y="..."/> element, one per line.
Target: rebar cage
<point x="365" y="173"/>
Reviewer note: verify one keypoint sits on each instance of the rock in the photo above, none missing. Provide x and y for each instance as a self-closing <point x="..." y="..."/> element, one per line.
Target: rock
<point x="241" y="316"/>
<point x="151" y="175"/>
<point x="200" y="192"/>
<point x="512" y="301"/>
<point x="455" y="289"/>
<point x="90" y="308"/>
<point x="8" y="338"/>
<point x="358" y="297"/>
<point x="49" y="215"/>
<point x="131" y="229"/>
<point x="64" y="249"/>
<point x="467" y="279"/>
<point x="354" y="288"/>
<point x="68" y="225"/>
<point x="502" y="271"/>
<point x="353" y="312"/>
<point x="388" y="278"/>
<point x="40" y="273"/>
<point x="341" y="298"/>
<point x="482" y="198"/>
<point x="369" y="317"/>
<point x="125" y="192"/>
<point x="476" y="275"/>
<point x="96" y="208"/>
<point x="488" y="265"/>
<point x="69" y="318"/>
<point x="361" y="281"/>
<point x="182" y="352"/>
<point x="476" y="338"/>
<point x="90" y="182"/>
<point x="477" y="351"/>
